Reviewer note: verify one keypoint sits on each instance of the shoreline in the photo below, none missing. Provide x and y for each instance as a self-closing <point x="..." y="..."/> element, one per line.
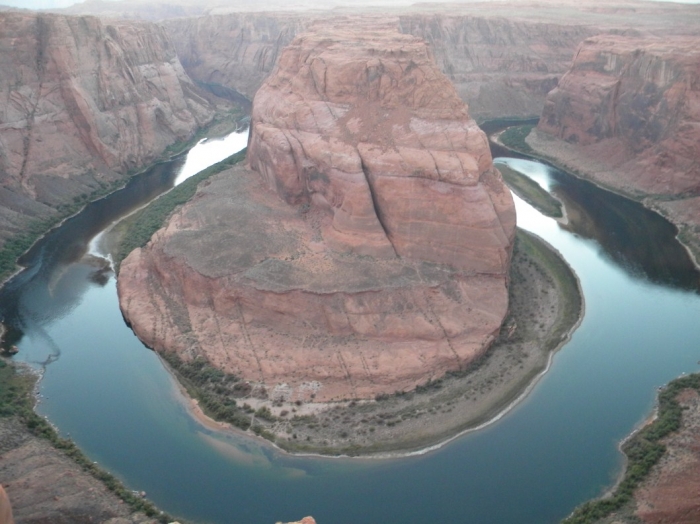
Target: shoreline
<point x="489" y="413"/>
<point x="164" y="158"/>
<point x="646" y="200"/>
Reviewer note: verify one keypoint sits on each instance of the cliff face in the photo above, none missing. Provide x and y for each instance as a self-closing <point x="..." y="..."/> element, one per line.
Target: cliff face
<point x="500" y="67"/>
<point x="83" y="103"/>
<point x="237" y="50"/>
<point x="369" y="252"/>
<point x="635" y="102"/>
<point x="377" y="135"/>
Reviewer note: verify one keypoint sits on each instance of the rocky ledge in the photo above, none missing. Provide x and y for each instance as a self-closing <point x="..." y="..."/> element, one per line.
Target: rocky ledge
<point x="366" y="252"/>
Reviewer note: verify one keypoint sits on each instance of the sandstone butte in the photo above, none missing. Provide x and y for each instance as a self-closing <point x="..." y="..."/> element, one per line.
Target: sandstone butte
<point x="83" y="103"/>
<point x="366" y="252"/>
<point x="628" y="114"/>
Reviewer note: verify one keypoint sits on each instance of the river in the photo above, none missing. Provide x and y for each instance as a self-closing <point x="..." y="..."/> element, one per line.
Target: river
<point x="557" y="448"/>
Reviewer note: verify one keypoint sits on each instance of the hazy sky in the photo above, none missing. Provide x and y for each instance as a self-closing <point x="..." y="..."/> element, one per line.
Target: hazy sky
<point x="51" y="4"/>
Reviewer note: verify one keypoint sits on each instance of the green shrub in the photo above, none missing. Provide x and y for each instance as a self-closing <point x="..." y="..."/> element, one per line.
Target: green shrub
<point x="643" y="451"/>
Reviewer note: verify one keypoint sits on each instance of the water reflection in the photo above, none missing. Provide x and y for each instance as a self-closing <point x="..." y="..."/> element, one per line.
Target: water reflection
<point x="68" y="260"/>
<point x="555" y="450"/>
<point x="630" y="235"/>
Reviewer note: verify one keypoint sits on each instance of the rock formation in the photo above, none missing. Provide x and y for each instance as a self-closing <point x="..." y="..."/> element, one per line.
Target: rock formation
<point x="628" y="114"/>
<point x="500" y="67"/>
<point x="84" y="102"/>
<point x="636" y="101"/>
<point x="305" y="520"/>
<point x="502" y="57"/>
<point x="370" y="251"/>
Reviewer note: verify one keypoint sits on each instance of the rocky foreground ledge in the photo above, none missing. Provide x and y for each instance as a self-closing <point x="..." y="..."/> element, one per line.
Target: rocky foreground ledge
<point x="366" y="252"/>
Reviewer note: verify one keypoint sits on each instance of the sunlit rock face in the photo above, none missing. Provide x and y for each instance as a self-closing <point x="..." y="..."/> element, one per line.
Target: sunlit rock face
<point x="366" y="250"/>
<point x="83" y="103"/>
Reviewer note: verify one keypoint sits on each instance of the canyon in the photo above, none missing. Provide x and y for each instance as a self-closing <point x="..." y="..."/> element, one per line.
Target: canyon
<point x="86" y="103"/>
<point x="502" y="57"/>
<point x="627" y="115"/>
<point x="370" y="252"/>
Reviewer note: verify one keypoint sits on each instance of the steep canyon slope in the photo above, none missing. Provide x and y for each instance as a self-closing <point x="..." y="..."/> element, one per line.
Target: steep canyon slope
<point x="503" y="57"/>
<point x="83" y="103"/>
<point x="628" y="115"/>
<point x="367" y="252"/>
<point x="499" y="66"/>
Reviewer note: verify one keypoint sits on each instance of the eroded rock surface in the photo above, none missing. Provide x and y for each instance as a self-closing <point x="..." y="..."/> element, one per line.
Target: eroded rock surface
<point x="84" y="102"/>
<point x="636" y="102"/>
<point x="503" y="57"/>
<point x="628" y="115"/>
<point x="367" y="253"/>
<point x="44" y="485"/>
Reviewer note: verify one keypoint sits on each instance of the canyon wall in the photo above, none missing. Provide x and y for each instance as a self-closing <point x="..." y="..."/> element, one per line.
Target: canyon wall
<point x="367" y="252"/>
<point x="637" y="102"/>
<point x="500" y="67"/>
<point x="627" y="115"/>
<point x="84" y="103"/>
<point x="237" y="50"/>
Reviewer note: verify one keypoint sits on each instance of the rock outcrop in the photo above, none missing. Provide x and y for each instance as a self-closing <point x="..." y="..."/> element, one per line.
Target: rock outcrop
<point x="636" y="103"/>
<point x="5" y="508"/>
<point x="84" y="102"/>
<point x="628" y="115"/>
<point x="305" y="520"/>
<point x="370" y="251"/>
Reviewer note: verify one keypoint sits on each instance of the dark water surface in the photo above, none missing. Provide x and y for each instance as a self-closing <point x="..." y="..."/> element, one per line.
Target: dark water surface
<point x="556" y="449"/>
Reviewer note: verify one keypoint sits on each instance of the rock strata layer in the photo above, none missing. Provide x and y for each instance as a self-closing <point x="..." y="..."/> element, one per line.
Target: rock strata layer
<point x="369" y="250"/>
<point x="501" y="67"/>
<point x="628" y="115"/>
<point x="84" y="102"/>
<point x="635" y="102"/>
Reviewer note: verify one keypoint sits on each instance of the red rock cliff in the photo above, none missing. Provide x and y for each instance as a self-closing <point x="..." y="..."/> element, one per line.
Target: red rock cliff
<point x="369" y="252"/>
<point x="373" y="132"/>
<point x="635" y="103"/>
<point x="84" y="101"/>
<point x="503" y="57"/>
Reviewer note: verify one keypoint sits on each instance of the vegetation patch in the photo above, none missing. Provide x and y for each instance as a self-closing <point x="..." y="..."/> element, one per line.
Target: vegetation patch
<point x="531" y="192"/>
<point x="141" y="226"/>
<point x="16" y="400"/>
<point x="643" y="451"/>
<point x="216" y="391"/>
<point x="514" y="137"/>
